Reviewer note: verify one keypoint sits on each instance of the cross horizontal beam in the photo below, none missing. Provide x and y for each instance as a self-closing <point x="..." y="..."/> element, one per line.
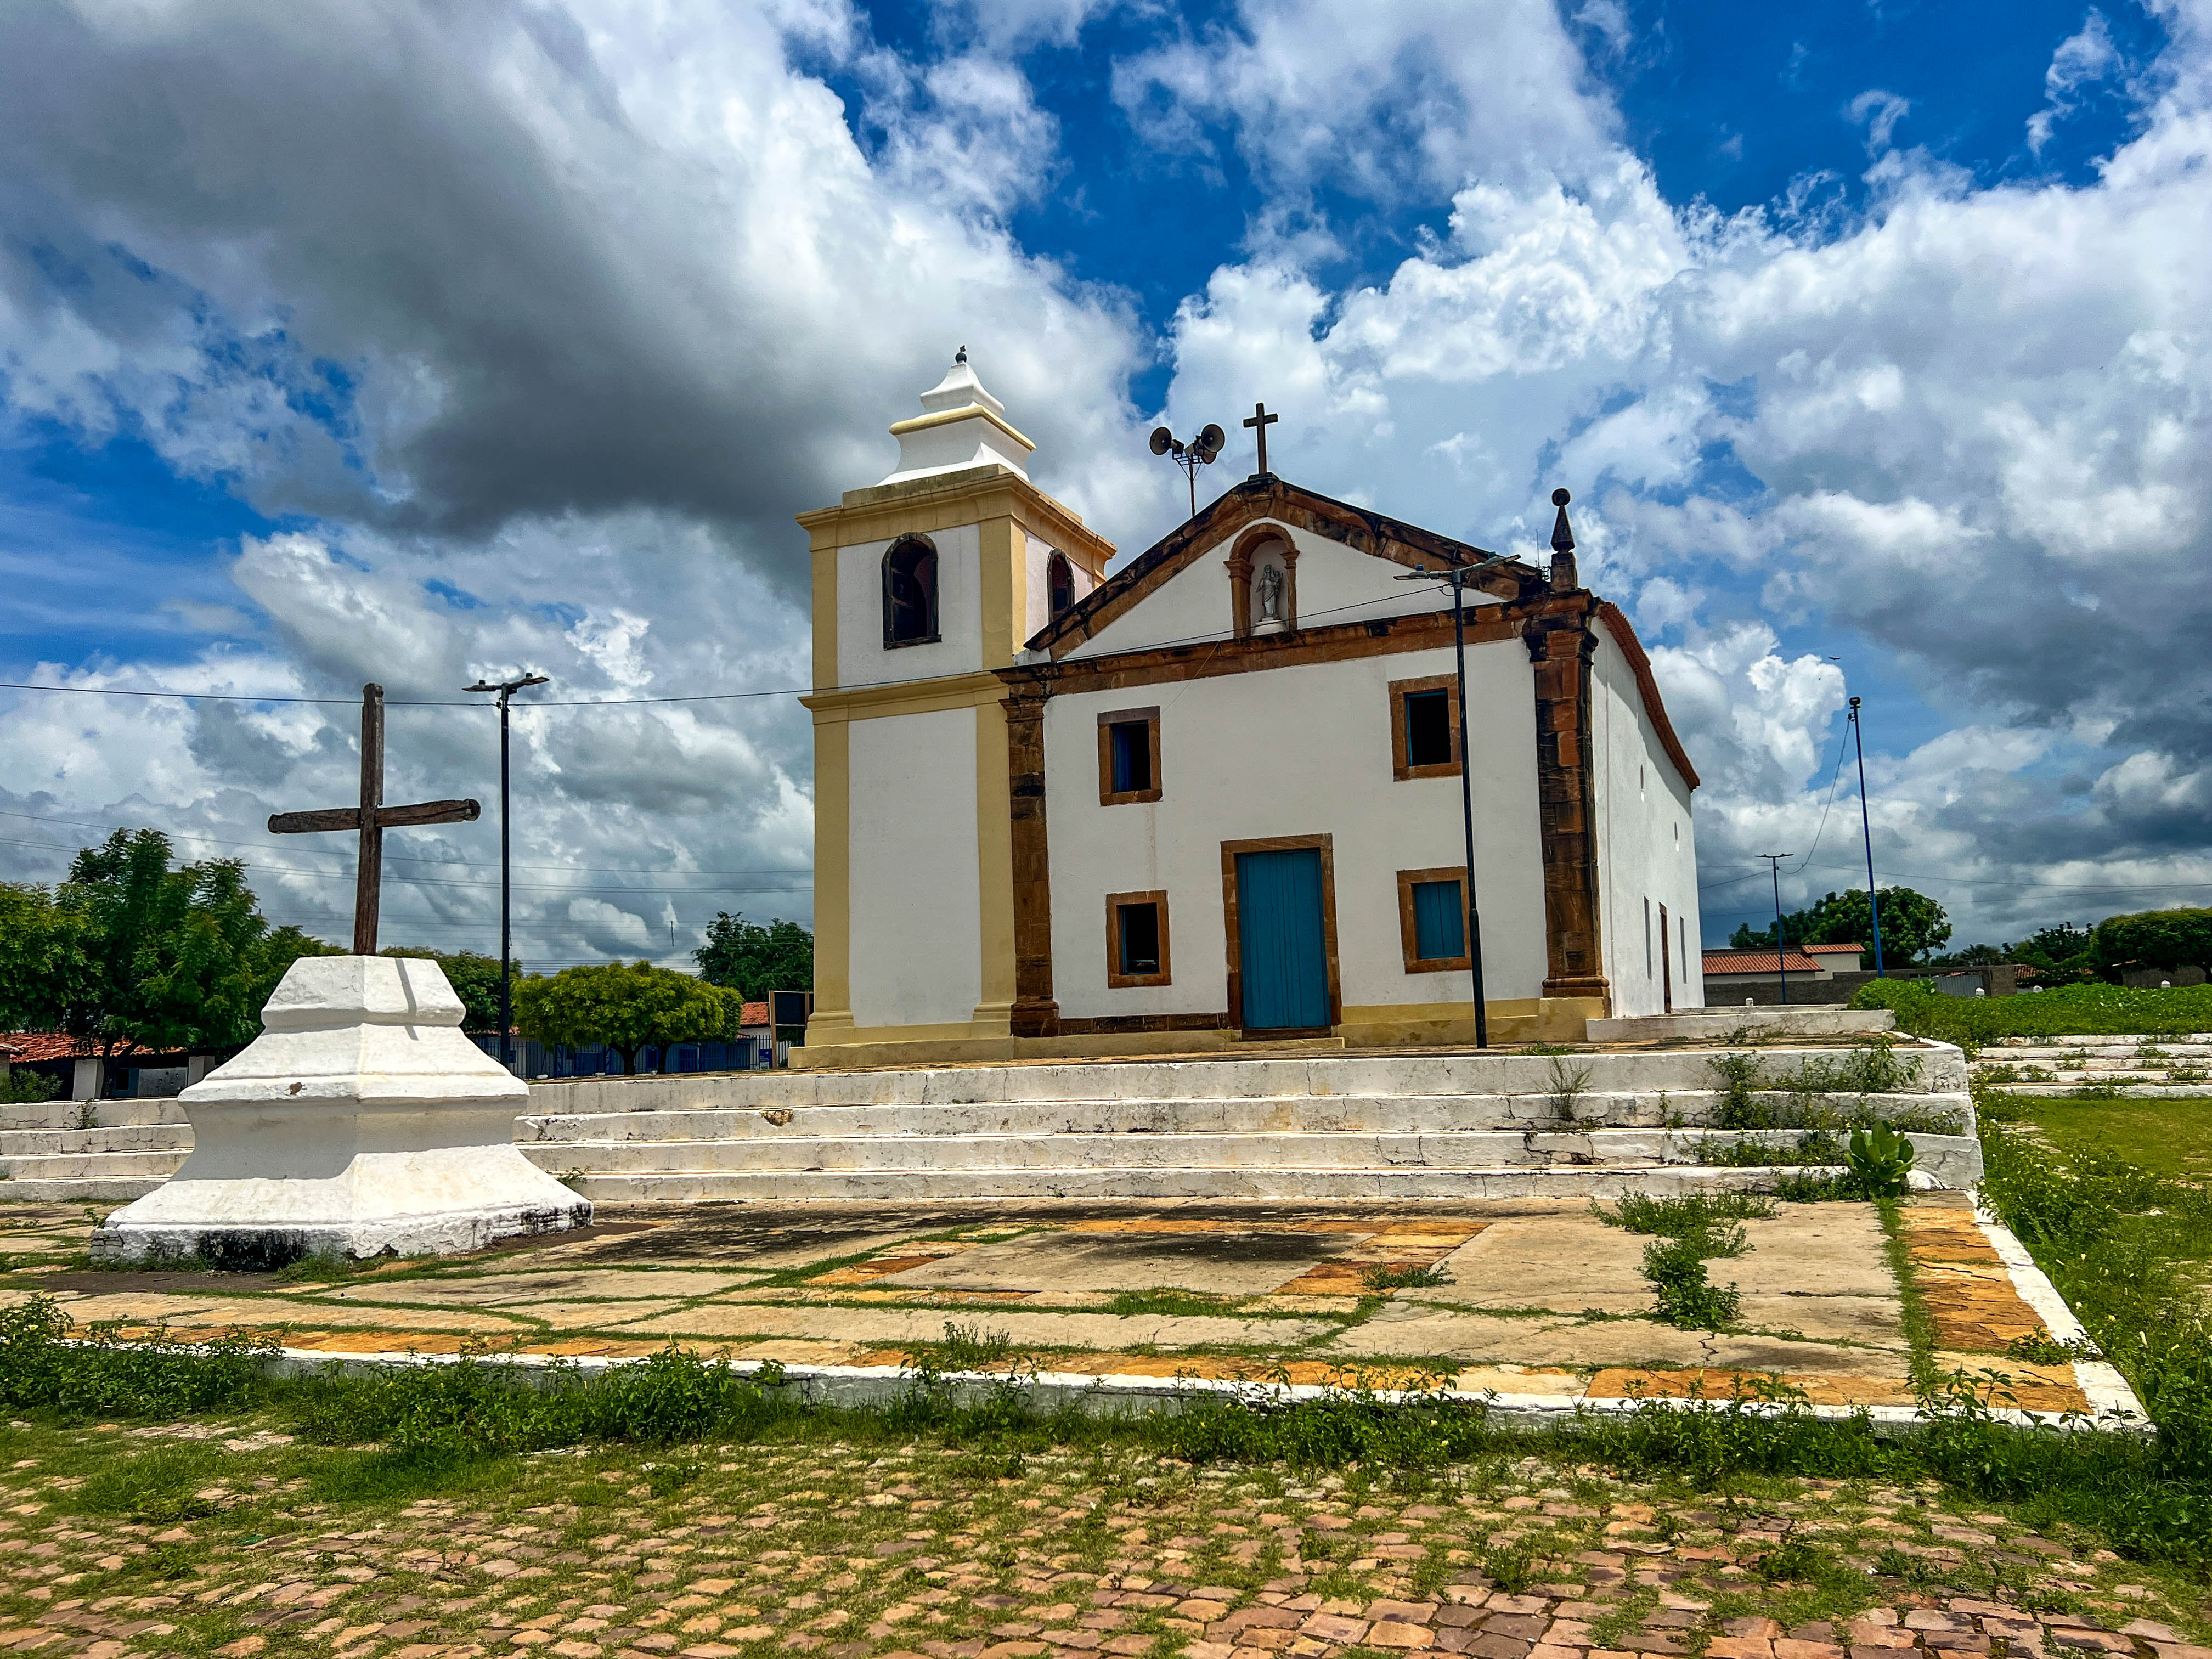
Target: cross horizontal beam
<point x="388" y="818"/>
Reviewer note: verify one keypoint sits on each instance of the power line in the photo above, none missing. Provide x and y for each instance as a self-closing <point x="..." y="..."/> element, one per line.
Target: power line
<point x="611" y="702"/>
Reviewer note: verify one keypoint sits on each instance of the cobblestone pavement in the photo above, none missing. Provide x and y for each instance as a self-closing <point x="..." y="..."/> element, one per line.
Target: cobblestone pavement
<point x="847" y="1551"/>
<point x="1535" y="1298"/>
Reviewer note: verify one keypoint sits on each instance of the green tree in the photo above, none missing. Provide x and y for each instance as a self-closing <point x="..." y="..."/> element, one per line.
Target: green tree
<point x="127" y="950"/>
<point x="50" y="979"/>
<point x="2063" y="955"/>
<point x="753" y="960"/>
<point x="2180" y="937"/>
<point x="474" y="977"/>
<point x="1912" y="925"/>
<point x="626" y="1007"/>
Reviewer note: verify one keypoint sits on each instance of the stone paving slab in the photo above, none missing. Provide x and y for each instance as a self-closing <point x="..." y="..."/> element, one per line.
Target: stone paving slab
<point x="1537" y="1289"/>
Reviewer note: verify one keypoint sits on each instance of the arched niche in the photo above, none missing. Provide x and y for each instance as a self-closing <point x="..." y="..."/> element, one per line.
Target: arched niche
<point x="1263" y="567"/>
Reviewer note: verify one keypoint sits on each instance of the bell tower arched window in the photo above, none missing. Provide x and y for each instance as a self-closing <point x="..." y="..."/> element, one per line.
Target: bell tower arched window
<point x="910" y="593"/>
<point x="1060" y="582"/>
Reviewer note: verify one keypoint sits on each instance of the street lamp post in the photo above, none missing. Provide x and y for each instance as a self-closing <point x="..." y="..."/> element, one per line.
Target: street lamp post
<point x="1781" y="962"/>
<point x="1866" y="829"/>
<point x="506" y="690"/>
<point x="1458" y="576"/>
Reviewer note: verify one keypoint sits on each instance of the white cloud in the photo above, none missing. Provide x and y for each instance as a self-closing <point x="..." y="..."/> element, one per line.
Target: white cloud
<point x="2082" y="59"/>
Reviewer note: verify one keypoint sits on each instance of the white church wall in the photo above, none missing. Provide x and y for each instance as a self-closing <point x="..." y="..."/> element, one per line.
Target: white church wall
<point x="861" y="658"/>
<point x="917" y="953"/>
<point x="1647" y="854"/>
<point x="1037" y="564"/>
<point x="1295" y="751"/>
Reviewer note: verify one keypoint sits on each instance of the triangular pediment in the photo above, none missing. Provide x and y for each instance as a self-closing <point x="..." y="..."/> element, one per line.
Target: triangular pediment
<point x="1260" y="500"/>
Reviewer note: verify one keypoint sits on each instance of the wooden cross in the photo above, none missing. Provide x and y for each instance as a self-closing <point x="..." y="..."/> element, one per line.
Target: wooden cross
<point x="372" y="818"/>
<point x="1261" y="420"/>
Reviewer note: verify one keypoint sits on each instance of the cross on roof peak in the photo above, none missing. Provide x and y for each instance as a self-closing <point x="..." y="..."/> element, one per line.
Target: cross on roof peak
<point x="1260" y="422"/>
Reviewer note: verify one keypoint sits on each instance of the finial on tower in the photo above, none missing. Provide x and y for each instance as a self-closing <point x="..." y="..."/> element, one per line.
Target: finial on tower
<point x="1564" y="577"/>
<point x="961" y="355"/>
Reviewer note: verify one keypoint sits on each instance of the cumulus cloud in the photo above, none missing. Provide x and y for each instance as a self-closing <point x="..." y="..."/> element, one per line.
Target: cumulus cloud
<point x="533" y="324"/>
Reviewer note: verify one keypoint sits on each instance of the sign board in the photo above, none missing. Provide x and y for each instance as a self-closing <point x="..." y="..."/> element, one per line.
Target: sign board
<point x="789" y="1007"/>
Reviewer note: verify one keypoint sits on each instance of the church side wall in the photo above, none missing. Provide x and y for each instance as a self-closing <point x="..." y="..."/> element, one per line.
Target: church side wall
<point x="1296" y="751"/>
<point x="916" y="890"/>
<point x="1647" y="851"/>
<point x="861" y="658"/>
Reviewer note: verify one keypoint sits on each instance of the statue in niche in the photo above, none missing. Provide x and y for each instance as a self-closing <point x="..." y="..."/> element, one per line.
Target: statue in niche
<point x="1270" y="584"/>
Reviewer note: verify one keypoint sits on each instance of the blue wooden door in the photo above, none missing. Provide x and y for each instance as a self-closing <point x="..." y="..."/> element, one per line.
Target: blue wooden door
<point x="1281" y="949"/>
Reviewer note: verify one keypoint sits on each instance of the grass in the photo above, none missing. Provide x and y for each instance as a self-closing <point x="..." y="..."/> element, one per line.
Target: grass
<point x="1748" y="1084"/>
<point x="2068" y="1011"/>
<point x="2168" y="1137"/>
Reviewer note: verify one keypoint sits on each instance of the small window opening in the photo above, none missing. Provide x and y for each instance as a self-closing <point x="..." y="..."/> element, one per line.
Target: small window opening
<point x="1640" y="787"/>
<point x="1141" y="938"/>
<point x="1132" y="756"/>
<point x="910" y="593"/>
<point x="1059" y="580"/>
<point x="1439" y="927"/>
<point x="1647" y="939"/>
<point x="1428" y="728"/>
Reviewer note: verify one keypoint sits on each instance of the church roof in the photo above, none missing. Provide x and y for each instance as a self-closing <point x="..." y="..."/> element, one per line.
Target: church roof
<point x="1757" y="962"/>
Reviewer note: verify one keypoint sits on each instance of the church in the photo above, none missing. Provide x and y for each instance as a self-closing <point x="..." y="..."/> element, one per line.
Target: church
<point x="1214" y="798"/>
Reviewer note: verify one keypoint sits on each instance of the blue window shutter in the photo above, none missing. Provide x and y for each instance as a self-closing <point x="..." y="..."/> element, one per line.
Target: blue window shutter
<point x="1439" y="929"/>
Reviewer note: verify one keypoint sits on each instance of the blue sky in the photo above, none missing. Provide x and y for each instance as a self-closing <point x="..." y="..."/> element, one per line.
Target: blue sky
<point x="393" y="345"/>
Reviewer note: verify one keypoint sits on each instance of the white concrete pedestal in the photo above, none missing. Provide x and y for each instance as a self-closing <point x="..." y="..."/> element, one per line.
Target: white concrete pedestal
<point x="360" y="1122"/>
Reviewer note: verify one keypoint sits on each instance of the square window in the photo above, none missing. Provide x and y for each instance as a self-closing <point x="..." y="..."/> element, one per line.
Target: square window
<point x="1136" y="939"/>
<point x="1428" y="728"/>
<point x="1425" y="727"/>
<point x="1432" y="919"/>
<point x="1132" y="756"/>
<point x="1439" y="930"/>
<point x="1141" y="938"/>
<point x="1128" y="756"/>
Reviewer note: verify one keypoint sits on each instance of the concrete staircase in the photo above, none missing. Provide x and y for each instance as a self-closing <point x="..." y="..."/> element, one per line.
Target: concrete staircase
<point x="48" y="1151"/>
<point x="2128" y="1067"/>
<point x="1311" y="1125"/>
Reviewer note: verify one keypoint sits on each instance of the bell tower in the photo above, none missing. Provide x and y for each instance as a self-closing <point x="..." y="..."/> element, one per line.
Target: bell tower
<point x="923" y="584"/>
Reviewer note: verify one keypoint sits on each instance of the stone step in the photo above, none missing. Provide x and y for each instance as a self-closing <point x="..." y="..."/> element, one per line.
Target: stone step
<point x="130" y="1138"/>
<point x="1117" y="1182"/>
<point x="1720" y="1025"/>
<point x="95" y="1189"/>
<point x="1372" y="1114"/>
<point x="100" y="1166"/>
<point x="2119" y="1091"/>
<point x="1940" y="1068"/>
<point x="105" y="1114"/>
<point x="1954" y="1160"/>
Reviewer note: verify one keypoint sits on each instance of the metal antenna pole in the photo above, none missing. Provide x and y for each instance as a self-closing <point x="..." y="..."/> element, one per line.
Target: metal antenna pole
<point x="1781" y="962"/>
<point x="1866" y="829"/>
<point x="506" y="689"/>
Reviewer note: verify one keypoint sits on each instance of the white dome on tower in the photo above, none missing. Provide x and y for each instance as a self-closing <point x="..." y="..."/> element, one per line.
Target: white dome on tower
<point x="962" y="426"/>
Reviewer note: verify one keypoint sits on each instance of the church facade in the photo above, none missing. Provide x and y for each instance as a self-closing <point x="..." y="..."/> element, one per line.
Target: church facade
<point x="1215" y="798"/>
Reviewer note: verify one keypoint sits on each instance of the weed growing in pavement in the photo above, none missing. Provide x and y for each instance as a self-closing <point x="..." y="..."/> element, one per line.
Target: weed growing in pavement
<point x="1568" y="1084"/>
<point x="1815" y="1146"/>
<point x="1399" y="1276"/>
<point x="1692" y="1229"/>
<point x="1677" y="1217"/>
<point x="972" y="1348"/>
<point x="1167" y="1299"/>
<point x="1511" y="1567"/>
<point x="1880" y="1161"/>
<point x="1747" y="1088"/>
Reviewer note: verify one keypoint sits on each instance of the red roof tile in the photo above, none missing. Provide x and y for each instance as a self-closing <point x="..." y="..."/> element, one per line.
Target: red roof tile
<point x="1757" y="962"/>
<point x="1835" y="949"/>
<point x="754" y="1013"/>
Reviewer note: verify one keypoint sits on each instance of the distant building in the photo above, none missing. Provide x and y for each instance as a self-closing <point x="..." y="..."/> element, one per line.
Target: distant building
<point x="128" y="1072"/>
